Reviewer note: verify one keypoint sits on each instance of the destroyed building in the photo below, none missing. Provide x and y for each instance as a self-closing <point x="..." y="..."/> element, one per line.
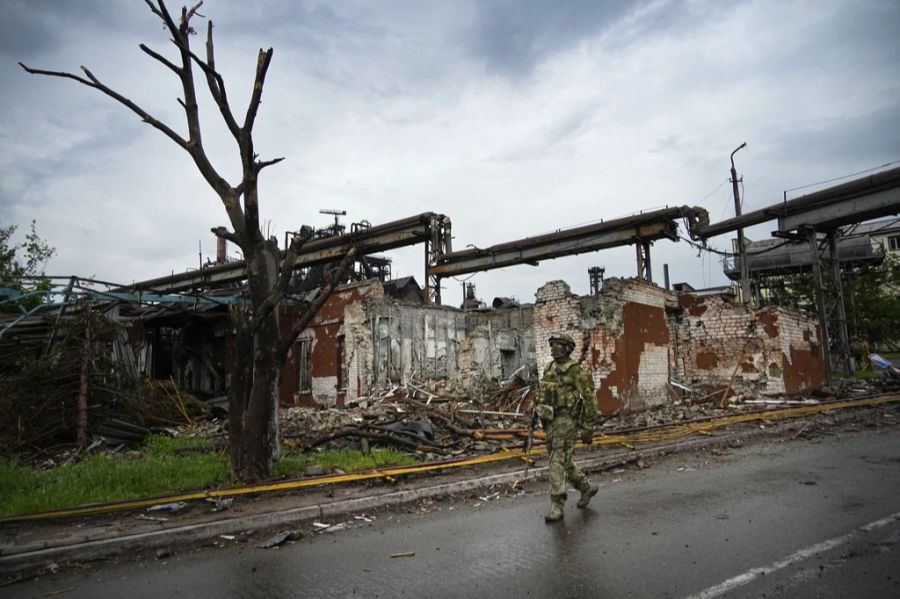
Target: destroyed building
<point x="633" y="337"/>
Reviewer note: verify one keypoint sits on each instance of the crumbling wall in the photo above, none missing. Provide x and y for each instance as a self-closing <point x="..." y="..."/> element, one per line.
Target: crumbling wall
<point x="413" y="341"/>
<point x="444" y="343"/>
<point x="332" y="373"/>
<point x="497" y="344"/>
<point x="634" y="337"/>
<point x="770" y="351"/>
<point x="621" y="337"/>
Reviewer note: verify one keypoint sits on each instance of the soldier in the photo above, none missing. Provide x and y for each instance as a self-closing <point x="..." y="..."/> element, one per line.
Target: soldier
<point x="565" y="402"/>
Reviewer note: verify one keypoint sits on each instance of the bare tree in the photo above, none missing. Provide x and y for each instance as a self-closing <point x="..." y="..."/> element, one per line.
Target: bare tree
<point x="261" y="346"/>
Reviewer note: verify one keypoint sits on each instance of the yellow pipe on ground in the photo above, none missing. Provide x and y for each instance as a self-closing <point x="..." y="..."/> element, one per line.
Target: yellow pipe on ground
<point x="668" y="433"/>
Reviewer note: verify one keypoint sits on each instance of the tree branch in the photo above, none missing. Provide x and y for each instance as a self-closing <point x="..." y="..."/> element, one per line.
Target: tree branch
<point x="260" y="165"/>
<point x="216" y="85"/>
<point x="224" y="233"/>
<point x="333" y="279"/>
<point x="161" y="59"/>
<point x="232" y="204"/>
<point x="96" y="84"/>
<point x="262" y="66"/>
<point x="287" y="269"/>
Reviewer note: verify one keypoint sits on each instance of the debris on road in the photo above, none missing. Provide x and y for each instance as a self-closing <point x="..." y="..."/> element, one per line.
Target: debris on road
<point x="220" y="504"/>
<point x="168" y="507"/>
<point x="278" y="539"/>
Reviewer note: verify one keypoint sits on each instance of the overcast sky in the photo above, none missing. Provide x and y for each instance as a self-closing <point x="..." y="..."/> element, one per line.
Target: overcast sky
<point x="514" y="118"/>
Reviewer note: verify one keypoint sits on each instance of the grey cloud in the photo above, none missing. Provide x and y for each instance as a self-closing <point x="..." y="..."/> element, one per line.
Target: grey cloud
<point x="864" y="36"/>
<point x="31" y="28"/>
<point x="869" y="139"/>
<point x="512" y="37"/>
<point x="552" y="136"/>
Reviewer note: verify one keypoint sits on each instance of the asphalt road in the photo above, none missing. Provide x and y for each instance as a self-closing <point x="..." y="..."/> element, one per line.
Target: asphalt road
<point x="795" y="519"/>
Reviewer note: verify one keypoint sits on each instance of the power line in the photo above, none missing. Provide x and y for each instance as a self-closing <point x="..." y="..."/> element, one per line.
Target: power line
<point x="868" y="170"/>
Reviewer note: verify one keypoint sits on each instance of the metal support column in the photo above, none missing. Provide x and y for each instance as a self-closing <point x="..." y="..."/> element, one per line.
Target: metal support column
<point x="438" y="243"/>
<point x="645" y="272"/>
<point x="430" y="282"/>
<point x="596" y="278"/>
<point x="830" y="306"/>
<point x="841" y="359"/>
<point x="820" y="297"/>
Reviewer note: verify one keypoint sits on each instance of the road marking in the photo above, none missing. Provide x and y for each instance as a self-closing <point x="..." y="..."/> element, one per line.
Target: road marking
<point x="806" y="553"/>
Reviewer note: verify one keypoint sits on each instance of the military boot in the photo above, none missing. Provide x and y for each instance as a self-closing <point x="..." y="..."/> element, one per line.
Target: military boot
<point x="586" y="494"/>
<point x="556" y="511"/>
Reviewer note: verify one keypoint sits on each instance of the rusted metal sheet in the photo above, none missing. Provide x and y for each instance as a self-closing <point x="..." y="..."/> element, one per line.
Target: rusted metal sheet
<point x="707" y="360"/>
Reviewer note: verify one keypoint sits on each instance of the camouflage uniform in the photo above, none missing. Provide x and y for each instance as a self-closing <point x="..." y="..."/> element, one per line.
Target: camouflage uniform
<point x="569" y="393"/>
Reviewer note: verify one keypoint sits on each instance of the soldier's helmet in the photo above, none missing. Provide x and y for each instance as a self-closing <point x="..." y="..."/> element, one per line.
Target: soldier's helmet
<point x="564" y="339"/>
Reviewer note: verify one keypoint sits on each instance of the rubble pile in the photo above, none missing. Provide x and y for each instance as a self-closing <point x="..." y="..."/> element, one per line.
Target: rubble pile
<point x="432" y="417"/>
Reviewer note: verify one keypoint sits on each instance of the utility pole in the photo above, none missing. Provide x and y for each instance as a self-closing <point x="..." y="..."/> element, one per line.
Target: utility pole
<point x="742" y="253"/>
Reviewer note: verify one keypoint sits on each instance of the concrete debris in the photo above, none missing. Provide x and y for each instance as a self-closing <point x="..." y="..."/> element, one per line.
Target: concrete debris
<point x="280" y="538"/>
<point x="220" y="504"/>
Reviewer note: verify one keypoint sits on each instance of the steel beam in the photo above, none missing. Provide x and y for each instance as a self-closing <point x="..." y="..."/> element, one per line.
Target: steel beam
<point x="645" y="271"/>
<point x="843" y="194"/>
<point x="562" y="243"/>
<point x="852" y="210"/>
<point x="395" y="234"/>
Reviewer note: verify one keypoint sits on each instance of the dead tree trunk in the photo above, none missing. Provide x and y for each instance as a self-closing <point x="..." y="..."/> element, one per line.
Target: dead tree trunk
<point x="261" y="347"/>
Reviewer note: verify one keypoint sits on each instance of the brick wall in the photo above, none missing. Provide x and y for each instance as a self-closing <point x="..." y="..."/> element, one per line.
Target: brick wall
<point x="334" y="376"/>
<point x="621" y="338"/>
<point x="634" y="337"/>
<point x="769" y="351"/>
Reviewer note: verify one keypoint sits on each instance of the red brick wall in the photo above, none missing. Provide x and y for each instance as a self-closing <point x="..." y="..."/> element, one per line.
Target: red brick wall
<point x="622" y="339"/>
<point x="768" y="351"/>
<point x="635" y="337"/>
<point x="326" y="353"/>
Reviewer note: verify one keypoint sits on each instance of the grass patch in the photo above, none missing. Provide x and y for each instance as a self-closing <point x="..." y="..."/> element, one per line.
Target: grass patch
<point x="294" y="463"/>
<point x="166" y="465"/>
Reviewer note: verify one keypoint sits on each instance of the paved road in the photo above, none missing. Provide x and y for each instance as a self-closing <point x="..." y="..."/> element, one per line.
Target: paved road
<point x="796" y="519"/>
